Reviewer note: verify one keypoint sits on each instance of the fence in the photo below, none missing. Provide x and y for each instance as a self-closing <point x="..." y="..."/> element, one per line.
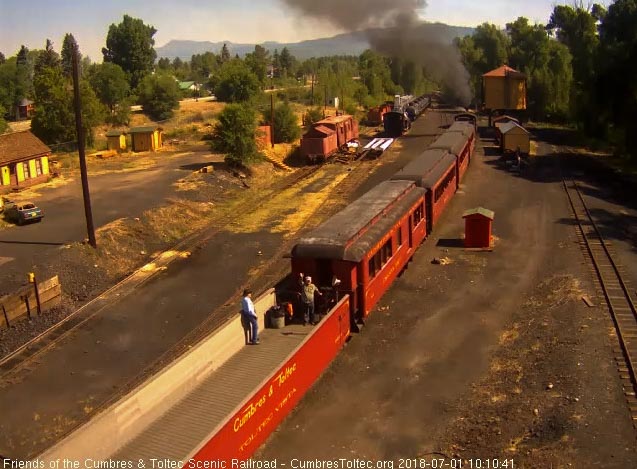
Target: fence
<point x="24" y="303"/>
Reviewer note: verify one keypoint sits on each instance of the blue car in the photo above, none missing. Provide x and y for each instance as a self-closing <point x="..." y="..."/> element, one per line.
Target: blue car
<point x="23" y="212"/>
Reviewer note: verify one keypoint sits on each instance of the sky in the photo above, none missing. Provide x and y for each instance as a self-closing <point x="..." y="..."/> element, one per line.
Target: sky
<point x="31" y="22"/>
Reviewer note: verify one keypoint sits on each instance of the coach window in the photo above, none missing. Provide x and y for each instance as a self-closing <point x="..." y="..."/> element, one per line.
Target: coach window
<point x="378" y="260"/>
<point x="418" y="215"/>
<point x="444" y="184"/>
<point x="400" y="236"/>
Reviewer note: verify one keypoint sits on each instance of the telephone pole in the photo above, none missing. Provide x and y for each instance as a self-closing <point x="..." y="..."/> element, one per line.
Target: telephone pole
<point x="81" y="150"/>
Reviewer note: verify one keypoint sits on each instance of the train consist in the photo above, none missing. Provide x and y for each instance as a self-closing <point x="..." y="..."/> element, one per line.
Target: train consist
<point x="328" y="136"/>
<point x="362" y="249"/>
<point x="406" y="109"/>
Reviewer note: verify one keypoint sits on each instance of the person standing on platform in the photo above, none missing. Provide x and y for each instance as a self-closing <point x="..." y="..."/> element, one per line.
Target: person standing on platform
<point x="307" y="296"/>
<point x="249" y="317"/>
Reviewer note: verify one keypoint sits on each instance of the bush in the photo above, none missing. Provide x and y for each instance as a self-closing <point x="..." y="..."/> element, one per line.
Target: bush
<point x="236" y="83"/>
<point x="313" y="115"/>
<point x="234" y="135"/>
<point x="286" y="124"/>
<point x="159" y="96"/>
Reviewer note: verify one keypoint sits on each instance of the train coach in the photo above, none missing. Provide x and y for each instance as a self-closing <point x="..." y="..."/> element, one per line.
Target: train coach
<point x="459" y="142"/>
<point x="326" y="137"/>
<point x="406" y="109"/>
<point x="434" y="170"/>
<point x="366" y="245"/>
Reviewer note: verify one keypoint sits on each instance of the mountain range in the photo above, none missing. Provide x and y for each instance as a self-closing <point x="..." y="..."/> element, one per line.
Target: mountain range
<point x="343" y="44"/>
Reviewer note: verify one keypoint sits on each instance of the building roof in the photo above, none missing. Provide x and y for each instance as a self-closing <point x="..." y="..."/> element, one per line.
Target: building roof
<point x="352" y="232"/>
<point x="334" y="119"/>
<point x="143" y="129"/>
<point x="184" y="85"/>
<point x="505" y="71"/>
<point x="505" y="118"/>
<point x="20" y="146"/>
<point x="479" y="211"/>
<point x="25" y="102"/>
<point x="115" y="133"/>
<point x="509" y="126"/>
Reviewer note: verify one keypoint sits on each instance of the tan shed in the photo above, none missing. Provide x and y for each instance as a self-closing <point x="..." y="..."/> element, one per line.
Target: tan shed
<point x="116" y="140"/>
<point x="147" y="138"/>
<point x="515" y="137"/>
<point x="504" y="88"/>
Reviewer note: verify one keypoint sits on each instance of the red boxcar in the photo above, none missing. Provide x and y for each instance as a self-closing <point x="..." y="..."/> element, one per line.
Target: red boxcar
<point x="366" y="245"/>
<point x="458" y="144"/>
<point x="327" y="136"/>
<point x="375" y="114"/>
<point x="436" y="171"/>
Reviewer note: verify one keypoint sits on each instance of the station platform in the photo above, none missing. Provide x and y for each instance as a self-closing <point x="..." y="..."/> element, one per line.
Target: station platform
<point x="197" y="415"/>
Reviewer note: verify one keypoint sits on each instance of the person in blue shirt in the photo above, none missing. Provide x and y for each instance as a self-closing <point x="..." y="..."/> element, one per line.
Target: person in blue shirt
<point x="249" y="317"/>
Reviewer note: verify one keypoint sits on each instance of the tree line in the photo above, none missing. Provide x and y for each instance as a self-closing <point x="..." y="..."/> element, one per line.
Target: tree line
<point x="581" y="66"/>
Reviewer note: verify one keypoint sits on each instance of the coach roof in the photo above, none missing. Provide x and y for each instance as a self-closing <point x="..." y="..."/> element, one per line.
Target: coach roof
<point x="350" y="234"/>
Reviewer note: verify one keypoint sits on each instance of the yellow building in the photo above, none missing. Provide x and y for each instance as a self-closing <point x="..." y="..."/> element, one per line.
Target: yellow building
<point x="146" y="138"/>
<point x="504" y="88"/>
<point x="515" y="137"/>
<point x="116" y="140"/>
<point x="24" y="160"/>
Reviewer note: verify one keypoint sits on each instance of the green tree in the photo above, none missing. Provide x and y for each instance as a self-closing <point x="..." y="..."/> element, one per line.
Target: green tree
<point x="236" y="82"/>
<point x="375" y="73"/>
<point x="617" y="81"/>
<point x="109" y="83"/>
<point x="235" y="133"/>
<point x="287" y="61"/>
<point x="286" y="124"/>
<point x="23" y="79"/>
<point x="202" y="66"/>
<point x="3" y="123"/>
<point x="164" y="64"/>
<point x="130" y="45"/>
<point x="159" y="96"/>
<point x="3" y="59"/>
<point x="54" y="118"/>
<point x="8" y="85"/>
<point x="68" y="46"/>
<point x="258" y="61"/>
<point x="225" y="54"/>
<point x="47" y="58"/>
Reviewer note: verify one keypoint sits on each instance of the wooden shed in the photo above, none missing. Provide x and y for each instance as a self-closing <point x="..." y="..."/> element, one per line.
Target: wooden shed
<point x="514" y="137"/>
<point x="147" y="138"/>
<point x="478" y="222"/>
<point x="504" y="88"/>
<point x="116" y="140"/>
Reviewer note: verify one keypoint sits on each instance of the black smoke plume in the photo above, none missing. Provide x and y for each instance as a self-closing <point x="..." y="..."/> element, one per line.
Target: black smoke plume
<point x="394" y="29"/>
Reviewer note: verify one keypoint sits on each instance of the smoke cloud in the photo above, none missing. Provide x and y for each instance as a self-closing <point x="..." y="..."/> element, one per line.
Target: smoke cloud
<point x="394" y="29"/>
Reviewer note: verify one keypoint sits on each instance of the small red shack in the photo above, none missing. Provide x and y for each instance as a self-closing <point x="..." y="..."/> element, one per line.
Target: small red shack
<point x="478" y="223"/>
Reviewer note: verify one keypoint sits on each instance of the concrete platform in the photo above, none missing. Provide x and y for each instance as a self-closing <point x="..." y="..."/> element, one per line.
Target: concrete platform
<point x="184" y="426"/>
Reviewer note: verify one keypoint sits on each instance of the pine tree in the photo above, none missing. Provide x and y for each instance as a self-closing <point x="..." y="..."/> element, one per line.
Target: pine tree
<point x="225" y="54"/>
<point x="68" y="46"/>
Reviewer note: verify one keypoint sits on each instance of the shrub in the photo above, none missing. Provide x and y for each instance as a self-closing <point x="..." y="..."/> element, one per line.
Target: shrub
<point x="286" y="124"/>
<point x="234" y="135"/>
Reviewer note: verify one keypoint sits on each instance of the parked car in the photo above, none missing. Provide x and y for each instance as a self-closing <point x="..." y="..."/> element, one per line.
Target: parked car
<point x="22" y="212"/>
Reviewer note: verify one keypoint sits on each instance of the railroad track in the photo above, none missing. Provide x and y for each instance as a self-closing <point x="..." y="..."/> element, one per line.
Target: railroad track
<point x="614" y="289"/>
<point x="28" y="353"/>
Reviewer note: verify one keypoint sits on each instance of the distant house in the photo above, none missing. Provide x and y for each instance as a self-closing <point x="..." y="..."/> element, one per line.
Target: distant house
<point x="25" y="109"/>
<point x="148" y="138"/>
<point x="116" y="140"/>
<point x="187" y="86"/>
<point x="24" y="160"/>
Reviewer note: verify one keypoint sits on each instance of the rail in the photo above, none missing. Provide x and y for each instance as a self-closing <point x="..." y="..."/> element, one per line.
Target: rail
<point x="616" y="293"/>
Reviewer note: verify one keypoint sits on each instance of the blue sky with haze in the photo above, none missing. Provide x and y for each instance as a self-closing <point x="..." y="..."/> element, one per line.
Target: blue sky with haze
<point x="31" y="22"/>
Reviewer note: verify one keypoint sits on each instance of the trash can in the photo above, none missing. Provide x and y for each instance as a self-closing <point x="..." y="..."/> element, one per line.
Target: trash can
<point x="277" y="317"/>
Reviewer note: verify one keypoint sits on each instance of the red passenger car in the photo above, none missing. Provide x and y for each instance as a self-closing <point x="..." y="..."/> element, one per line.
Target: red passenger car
<point x="434" y="170"/>
<point x="327" y="136"/>
<point x="366" y="245"/>
<point x="458" y="144"/>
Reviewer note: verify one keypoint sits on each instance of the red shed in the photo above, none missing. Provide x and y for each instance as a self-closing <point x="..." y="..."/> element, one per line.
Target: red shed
<point x="478" y="223"/>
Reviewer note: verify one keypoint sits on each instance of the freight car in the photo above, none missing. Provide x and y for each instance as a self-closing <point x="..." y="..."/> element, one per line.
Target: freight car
<point x="375" y="114"/>
<point x="367" y="245"/>
<point x="326" y="137"/>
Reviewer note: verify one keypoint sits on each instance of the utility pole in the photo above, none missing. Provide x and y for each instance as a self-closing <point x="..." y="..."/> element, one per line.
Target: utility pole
<point x="325" y="102"/>
<point x="81" y="150"/>
<point x="272" y="119"/>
